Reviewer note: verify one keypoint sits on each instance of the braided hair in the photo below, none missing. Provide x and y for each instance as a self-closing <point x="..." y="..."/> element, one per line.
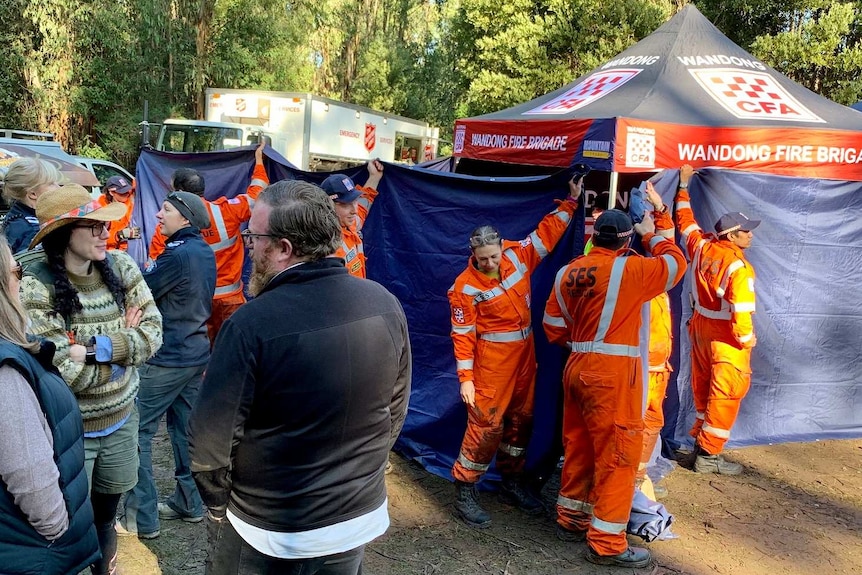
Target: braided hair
<point x="66" y="302"/>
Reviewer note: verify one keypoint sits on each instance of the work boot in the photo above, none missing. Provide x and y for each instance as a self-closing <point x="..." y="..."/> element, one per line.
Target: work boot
<point x="706" y="463"/>
<point x="467" y="505"/>
<point x="513" y="492"/>
<point x="633" y="557"/>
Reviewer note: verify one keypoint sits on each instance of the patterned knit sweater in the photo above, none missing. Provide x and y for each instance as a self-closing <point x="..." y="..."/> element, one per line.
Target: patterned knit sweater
<point x="103" y="401"/>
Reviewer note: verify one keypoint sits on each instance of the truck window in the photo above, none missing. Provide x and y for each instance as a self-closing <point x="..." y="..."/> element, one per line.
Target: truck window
<point x="200" y="138"/>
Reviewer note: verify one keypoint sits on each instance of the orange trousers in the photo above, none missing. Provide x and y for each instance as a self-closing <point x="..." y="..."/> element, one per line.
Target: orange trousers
<point x="653" y="416"/>
<point x="502" y="420"/>
<point x="222" y="309"/>
<point x="602" y="439"/>
<point x="720" y="378"/>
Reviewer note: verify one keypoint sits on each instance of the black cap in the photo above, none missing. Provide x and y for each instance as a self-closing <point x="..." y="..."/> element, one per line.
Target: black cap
<point x="613" y="224"/>
<point x="733" y="221"/>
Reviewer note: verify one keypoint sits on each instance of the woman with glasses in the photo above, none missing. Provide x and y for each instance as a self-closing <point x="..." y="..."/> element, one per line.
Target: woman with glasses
<point x="24" y="182"/>
<point x="496" y="359"/>
<point x="45" y="514"/>
<point x="96" y="309"/>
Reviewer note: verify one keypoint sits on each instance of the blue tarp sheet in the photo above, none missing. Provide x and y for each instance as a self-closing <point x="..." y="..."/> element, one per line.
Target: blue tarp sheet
<point x="807" y="381"/>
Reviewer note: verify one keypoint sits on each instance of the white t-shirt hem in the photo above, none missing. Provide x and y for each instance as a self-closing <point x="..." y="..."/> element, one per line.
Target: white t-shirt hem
<point x="329" y="540"/>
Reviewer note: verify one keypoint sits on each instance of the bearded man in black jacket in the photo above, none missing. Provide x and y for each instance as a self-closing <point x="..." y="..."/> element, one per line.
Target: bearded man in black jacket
<point x="306" y="390"/>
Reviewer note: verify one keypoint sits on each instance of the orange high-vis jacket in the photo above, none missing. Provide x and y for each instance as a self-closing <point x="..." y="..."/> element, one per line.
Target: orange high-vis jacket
<point x="722" y="279"/>
<point x="596" y="304"/>
<point x="226" y="218"/>
<point x="114" y="228"/>
<point x="352" y="248"/>
<point x="482" y="305"/>
<point x="660" y="326"/>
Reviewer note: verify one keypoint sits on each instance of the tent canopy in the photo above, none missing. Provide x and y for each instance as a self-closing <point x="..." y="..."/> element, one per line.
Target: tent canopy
<point x="684" y="94"/>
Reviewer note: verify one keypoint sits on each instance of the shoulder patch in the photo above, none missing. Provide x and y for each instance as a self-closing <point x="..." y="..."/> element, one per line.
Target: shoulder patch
<point x="526" y="242"/>
<point x="234" y="201"/>
<point x="458" y="314"/>
<point x="175" y="243"/>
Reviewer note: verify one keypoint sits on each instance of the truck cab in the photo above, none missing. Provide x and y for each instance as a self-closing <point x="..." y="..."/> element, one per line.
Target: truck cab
<point x="178" y="135"/>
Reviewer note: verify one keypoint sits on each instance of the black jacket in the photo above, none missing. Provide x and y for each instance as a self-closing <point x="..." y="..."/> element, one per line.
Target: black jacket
<point x="183" y="281"/>
<point x="20" y="226"/>
<point x="22" y="549"/>
<point x="306" y="390"/>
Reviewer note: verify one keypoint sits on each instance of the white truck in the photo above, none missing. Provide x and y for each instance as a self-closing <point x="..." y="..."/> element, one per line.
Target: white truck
<point x="311" y="132"/>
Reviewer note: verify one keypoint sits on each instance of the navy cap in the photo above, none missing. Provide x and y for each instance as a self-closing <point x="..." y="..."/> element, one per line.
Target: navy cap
<point x="118" y="184"/>
<point x="733" y="221"/>
<point x="613" y="224"/>
<point x="340" y="188"/>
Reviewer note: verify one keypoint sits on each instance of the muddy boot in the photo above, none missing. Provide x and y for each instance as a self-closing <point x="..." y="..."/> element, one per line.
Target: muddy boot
<point x="633" y="557"/>
<point x="572" y="536"/>
<point x="513" y="492"/>
<point x="706" y="463"/>
<point x="467" y="505"/>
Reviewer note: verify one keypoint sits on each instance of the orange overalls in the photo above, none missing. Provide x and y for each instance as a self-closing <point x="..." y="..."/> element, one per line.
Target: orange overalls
<point x="721" y="329"/>
<point x="226" y="218"/>
<point x="493" y="342"/>
<point x="595" y="310"/>
<point x="351" y="248"/>
<point x="660" y="348"/>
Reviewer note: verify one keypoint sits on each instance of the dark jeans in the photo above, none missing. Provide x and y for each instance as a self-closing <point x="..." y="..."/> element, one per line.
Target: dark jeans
<point x="229" y="554"/>
<point x="169" y="391"/>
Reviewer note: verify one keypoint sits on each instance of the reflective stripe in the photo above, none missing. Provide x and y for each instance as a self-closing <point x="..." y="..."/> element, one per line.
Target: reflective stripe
<point x="653" y="242"/>
<point x="364" y="202"/>
<point x="553" y="321"/>
<point x="564" y="216"/>
<point x="741" y="307"/>
<point x="464" y="364"/>
<point x="683" y="205"/>
<point x="672" y="269"/>
<point x="223" y="290"/>
<point x="537" y="243"/>
<point x="463" y="329"/>
<point x="467" y="464"/>
<point x="557" y="282"/>
<point x="665" y="233"/>
<point x="607" y="526"/>
<point x="513" y="279"/>
<point x="745" y="338"/>
<point x="722" y="433"/>
<point x="512" y="450"/>
<point x="659" y="367"/>
<point x="722" y="286"/>
<point x="611" y="297"/>
<point x="574" y="504"/>
<point x="507" y="336"/>
<point x="689" y="229"/>
<point x="259" y="183"/>
<point x="605" y="348"/>
<point x="218" y="223"/>
<point x="224" y="244"/>
<point x="700" y="415"/>
<point x="469" y="290"/>
<point x="712" y="314"/>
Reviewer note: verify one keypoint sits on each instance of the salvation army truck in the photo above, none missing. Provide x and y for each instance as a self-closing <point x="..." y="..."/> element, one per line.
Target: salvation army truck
<point x="311" y="132"/>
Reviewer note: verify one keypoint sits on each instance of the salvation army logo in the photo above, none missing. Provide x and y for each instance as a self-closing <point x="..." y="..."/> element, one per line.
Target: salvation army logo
<point x="370" y="136"/>
<point x="458" y="146"/>
<point x="591" y="89"/>
<point x="752" y="95"/>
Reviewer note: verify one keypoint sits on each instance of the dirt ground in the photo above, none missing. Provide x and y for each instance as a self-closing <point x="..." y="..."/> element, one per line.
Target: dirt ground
<point x="796" y="510"/>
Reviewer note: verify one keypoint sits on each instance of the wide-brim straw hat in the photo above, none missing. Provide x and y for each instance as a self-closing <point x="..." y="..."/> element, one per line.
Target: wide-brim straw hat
<point x="69" y="204"/>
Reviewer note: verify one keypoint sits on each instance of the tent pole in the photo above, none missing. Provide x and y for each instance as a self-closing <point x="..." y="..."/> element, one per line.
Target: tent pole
<point x="612" y="190"/>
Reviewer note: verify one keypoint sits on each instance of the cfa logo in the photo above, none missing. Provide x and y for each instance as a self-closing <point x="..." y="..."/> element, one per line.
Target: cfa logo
<point x="589" y="90"/>
<point x="460" y="131"/>
<point x="752" y="95"/>
<point x="640" y="150"/>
